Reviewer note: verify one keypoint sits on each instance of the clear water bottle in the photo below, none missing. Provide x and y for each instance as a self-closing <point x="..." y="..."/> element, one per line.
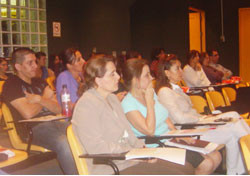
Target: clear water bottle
<point x="66" y="102"/>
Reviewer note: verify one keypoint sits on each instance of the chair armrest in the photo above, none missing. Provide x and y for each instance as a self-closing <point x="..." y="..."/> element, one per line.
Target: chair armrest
<point x="106" y="159"/>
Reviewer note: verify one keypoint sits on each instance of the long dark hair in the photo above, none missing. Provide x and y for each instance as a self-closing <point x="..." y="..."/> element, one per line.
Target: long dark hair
<point x="69" y="56"/>
<point x="192" y="54"/>
<point x="164" y="64"/>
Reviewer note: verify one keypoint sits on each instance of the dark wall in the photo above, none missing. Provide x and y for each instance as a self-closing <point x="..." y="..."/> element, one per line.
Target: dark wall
<point x="160" y="23"/>
<point x="164" y="23"/>
<point x="90" y="23"/>
<point x="228" y="50"/>
<point x="141" y="25"/>
<point x="61" y="11"/>
<point x="146" y="26"/>
<point x="105" y="25"/>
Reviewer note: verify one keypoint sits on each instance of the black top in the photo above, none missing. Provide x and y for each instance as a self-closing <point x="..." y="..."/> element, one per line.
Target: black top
<point x="13" y="89"/>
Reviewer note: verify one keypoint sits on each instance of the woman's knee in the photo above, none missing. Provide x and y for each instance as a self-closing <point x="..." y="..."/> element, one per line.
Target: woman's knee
<point x="216" y="157"/>
<point x="206" y="166"/>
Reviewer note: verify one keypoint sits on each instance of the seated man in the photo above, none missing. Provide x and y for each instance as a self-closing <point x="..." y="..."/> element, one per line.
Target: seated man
<point x="213" y="62"/>
<point x="29" y="97"/>
<point x="42" y="71"/>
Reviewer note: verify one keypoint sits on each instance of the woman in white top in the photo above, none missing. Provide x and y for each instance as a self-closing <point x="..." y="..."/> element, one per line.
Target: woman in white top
<point x="193" y="74"/>
<point x="180" y="109"/>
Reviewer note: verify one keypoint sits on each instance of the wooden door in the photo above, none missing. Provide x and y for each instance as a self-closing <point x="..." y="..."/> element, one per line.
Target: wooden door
<point x="244" y="43"/>
<point x="197" y="35"/>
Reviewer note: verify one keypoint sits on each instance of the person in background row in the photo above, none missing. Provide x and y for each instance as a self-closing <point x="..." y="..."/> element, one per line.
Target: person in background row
<point x="101" y="126"/>
<point x="42" y="71"/>
<point x="193" y="74"/>
<point x="72" y="76"/>
<point x="133" y="54"/>
<point x="181" y="111"/>
<point x="29" y="97"/>
<point x="148" y="117"/>
<point x="156" y="55"/>
<point x="3" y="69"/>
<point x="55" y="64"/>
<point x="214" y="75"/>
<point x="213" y="62"/>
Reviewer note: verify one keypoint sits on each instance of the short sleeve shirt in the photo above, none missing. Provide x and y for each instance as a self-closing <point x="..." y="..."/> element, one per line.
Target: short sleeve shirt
<point x="129" y="103"/>
<point x="14" y="88"/>
<point x="66" y="78"/>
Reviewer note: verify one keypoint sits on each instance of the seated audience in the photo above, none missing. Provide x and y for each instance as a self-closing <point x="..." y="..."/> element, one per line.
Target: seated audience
<point x="133" y="54"/>
<point x="55" y="64"/>
<point x="101" y="126"/>
<point x="148" y="117"/>
<point x="213" y="62"/>
<point x="214" y="76"/>
<point x="193" y="74"/>
<point x="180" y="111"/>
<point x="29" y="97"/>
<point x="72" y="76"/>
<point x="3" y="69"/>
<point x="42" y="71"/>
<point x="156" y="55"/>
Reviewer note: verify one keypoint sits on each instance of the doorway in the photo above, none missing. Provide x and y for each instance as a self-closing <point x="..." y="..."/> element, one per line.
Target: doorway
<point x="244" y="43"/>
<point x="197" y="33"/>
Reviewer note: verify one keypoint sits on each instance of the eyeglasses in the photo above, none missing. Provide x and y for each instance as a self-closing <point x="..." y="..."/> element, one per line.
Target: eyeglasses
<point x="216" y="55"/>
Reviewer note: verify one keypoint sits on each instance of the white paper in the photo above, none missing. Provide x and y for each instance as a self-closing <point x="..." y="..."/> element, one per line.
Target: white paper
<point x="8" y="152"/>
<point x="175" y="155"/>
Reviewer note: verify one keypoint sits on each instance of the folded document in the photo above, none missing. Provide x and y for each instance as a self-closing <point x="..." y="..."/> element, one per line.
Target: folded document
<point x="200" y="146"/>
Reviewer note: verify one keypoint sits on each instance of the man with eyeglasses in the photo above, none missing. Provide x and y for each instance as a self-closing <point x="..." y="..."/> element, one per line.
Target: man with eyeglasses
<point x="213" y="62"/>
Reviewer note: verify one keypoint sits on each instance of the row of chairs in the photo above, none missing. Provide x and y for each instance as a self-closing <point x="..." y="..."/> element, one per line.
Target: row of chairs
<point x="199" y="104"/>
<point x="21" y="148"/>
<point x="77" y="149"/>
<point x="215" y="99"/>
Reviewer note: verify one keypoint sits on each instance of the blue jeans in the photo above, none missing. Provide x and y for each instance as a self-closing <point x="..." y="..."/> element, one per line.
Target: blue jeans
<point x="52" y="135"/>
<point x="2" y="172"/>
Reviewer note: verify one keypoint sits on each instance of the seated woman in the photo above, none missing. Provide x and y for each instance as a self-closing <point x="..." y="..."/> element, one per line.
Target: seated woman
<point x="180" y="108"/>
<point x="101" y="126"/>
<point x="148" y="117"/>
<point x="72" y="76"/>
<point x="193" y="74"/>
<point x="156" y="55"/>
<point x="55" y="64"/>
<point x="214" y="76"/>
<point x="3" y="69"/>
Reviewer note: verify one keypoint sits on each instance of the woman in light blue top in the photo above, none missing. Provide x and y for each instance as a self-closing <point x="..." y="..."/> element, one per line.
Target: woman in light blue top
<point x="148" y="117"/>
<point x="130" y="103"/>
